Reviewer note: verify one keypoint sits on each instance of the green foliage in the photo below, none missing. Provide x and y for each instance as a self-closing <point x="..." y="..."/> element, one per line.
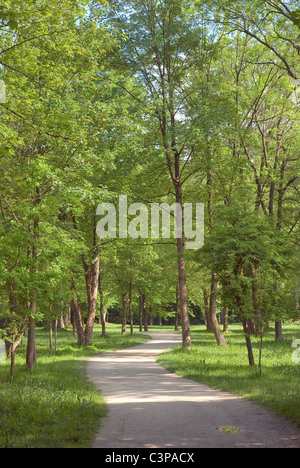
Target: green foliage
<point x="296" y="17"/>
<point x="86" y="95"/>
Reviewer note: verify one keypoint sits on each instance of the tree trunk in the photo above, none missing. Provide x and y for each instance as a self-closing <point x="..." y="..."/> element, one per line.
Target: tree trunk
<point x="31" y="351"/>
<point x="124" y="313"/>
<point x="33" y="252"/>
<point x="183" y="301"/>
<point x="278" y="324"/>
<point x="225" y="319"/>
<point x="207" y="313"/>
<point x="11" y="348"/>
<point x="55" y="334"/>
<point x="67" y="317"/>
<point x="238" y="272"/>
<point x="103" y="322"/>
<point x="77" y="317"/>
<point x="248" y="342"/>
<point x="184" y="313"/>
<point x="12" y="361"/>
<point x="278" y="331"/>
<point x="73" y="318"/>
<point x="102" y="311"/>
<point x="212" y="312"/>
<point x="177" y="309"/>
<point x="145" y="314"/>
<point x="50" y="334"/>
<point x="130" y="308"/>
<point x="61" y="322"/>
<point x="141" y="311"/>
<point x="174" y="169"/>
<point x="151" y="318"/>
<point x="257" y="323"/>
<point x="91" y="275"/>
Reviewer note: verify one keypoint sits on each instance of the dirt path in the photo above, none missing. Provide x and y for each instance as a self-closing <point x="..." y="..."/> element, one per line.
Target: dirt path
<point x="152" y="408"/>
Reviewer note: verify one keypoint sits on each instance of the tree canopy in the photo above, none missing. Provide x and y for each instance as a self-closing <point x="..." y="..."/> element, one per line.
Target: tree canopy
<point x="166" y="102"/>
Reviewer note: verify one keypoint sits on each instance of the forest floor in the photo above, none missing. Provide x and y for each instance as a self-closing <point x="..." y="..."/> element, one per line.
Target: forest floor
<point x="149" y="407"/>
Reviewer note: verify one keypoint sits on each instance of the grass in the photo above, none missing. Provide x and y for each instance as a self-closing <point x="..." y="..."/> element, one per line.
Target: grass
<point x="55" y="406"/>
<point x="228" y="369"/>
<point x="229" y="429"/>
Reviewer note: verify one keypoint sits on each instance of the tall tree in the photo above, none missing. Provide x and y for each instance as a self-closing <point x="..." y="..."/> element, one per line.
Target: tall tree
<point x="162" y="45"/>
<point x="49" y="61"/>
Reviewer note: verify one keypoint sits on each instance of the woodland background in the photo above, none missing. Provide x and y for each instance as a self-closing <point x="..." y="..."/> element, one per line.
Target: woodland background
<point x="187" y="101"/>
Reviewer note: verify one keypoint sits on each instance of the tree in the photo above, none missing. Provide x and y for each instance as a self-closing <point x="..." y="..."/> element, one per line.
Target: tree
<point x="273" y="24"/>
<point x="162" y="43"/>
<point x="242" y="157"/>
<point x="49" y="66"/>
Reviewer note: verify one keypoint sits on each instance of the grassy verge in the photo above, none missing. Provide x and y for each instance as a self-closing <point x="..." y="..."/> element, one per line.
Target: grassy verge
<point x="55" y="406"/>
<point x="228" y="369"/>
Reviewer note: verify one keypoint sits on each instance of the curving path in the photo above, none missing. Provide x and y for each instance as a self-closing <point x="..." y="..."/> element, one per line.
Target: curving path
<point x="151" y="408"/>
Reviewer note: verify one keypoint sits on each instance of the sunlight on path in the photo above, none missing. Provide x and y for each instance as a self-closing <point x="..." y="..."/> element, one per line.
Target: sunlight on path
<point x="150" y="407"/>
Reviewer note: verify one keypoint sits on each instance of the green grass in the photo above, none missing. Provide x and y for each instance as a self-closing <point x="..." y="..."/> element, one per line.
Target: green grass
<point x="55" y="406"/>
<point x="228" y="369"/>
